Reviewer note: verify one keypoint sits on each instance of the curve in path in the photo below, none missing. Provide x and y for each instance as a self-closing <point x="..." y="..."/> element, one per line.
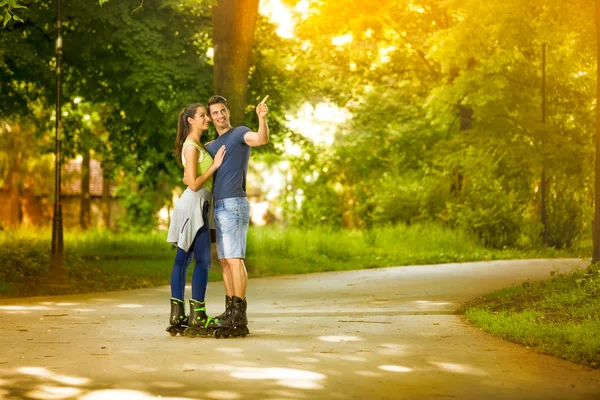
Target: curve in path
<point x="390" y="333"/>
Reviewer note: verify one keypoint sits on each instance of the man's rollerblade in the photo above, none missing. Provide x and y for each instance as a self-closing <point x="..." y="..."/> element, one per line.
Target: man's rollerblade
<point x="236" y="323"/>
<point x="178" y="320"/>
<point x="200" y="324"/>
<point x="227" y="309"/>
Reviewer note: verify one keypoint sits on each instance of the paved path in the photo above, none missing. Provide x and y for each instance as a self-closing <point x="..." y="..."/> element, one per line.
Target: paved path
<point x="375" y="334"/>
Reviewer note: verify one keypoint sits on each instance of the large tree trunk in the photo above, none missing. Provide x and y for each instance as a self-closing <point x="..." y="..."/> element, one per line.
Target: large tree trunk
<point x="233" y="38"/>
<point x="596" y="229"/>
<point x="85" y="209"/>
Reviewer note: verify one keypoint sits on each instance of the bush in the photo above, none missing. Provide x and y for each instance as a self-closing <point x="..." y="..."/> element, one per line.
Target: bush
<point x="566" y="217"/>
<point x="321" y="206"/>
<point x="24" y="260"/>
<point x="489" y="212"/>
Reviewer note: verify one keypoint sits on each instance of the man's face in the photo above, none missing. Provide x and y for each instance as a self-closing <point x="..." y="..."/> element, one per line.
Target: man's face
<point x="219" y="115"/>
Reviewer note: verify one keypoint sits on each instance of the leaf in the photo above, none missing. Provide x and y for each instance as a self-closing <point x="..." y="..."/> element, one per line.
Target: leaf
<point x="17" y="6"/>
<point x="102" y="2"/>
<point x="7" y="18"/>
<point x="17" y="18"/>
<point x="2" y="4"/>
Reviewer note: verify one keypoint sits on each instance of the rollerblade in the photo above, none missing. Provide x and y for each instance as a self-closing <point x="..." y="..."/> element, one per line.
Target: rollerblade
<point x="178" y="320"/>
<point x="236" y="323"/>
<point x="200" y="324"/>
<point x="227" y="309"/>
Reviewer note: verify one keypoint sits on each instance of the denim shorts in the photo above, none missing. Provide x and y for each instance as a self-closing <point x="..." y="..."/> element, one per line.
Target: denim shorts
<point x="232" y="217"/>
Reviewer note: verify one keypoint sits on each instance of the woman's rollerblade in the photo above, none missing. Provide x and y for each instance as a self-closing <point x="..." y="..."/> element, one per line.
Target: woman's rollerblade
<point x="199" y="323"/>
<point x="178" y="320"/>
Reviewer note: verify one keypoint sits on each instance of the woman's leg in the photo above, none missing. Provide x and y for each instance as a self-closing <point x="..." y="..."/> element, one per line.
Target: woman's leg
<point x="179" y="273"/>
<point x="202" y="254"/>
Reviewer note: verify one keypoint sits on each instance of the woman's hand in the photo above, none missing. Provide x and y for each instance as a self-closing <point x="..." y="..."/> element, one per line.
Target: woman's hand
<point x="218" y="160"/>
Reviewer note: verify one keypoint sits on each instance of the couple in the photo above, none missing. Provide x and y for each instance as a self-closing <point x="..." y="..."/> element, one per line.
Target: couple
<point x="226" y="161"/>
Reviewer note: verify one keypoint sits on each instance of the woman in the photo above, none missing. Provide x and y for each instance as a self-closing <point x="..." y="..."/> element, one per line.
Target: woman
<point x="189" y="229"/>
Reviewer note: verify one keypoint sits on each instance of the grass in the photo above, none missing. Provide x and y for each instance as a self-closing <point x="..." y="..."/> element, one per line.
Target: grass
<point x="560" y="316"/>
<point x="277" y="250"/>
<point x="101" y="260"/>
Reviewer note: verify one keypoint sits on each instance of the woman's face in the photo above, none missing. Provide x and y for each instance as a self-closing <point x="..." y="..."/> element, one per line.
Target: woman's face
<point x="200" y="119"/>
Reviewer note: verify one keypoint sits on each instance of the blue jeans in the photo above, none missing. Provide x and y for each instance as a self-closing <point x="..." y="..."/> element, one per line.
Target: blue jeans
<point x="232" y="217"/>
<point x="200" y="250"/>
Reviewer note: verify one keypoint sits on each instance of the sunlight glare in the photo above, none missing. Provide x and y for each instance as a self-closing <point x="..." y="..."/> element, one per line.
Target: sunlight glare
<point x="342" y="40"/>
<point x="116" y="394"/>
<point x="276" y="373"/>
<point x="130" y="306"/>
<point x="304" y="359"/>
<point x="340" y="339"/>
<point x="300" y="384"/>
<point x="280" y="15"/>
<point x="352" y="358"/>
<point x="293" y="378"/>
<point x="370" y="374"/>
<point x="395" y="368"/>
<point x="460" y="368"/>
<point x="291" y="350"/>
<point x="319" y="123"/>
<point x="53" y="392"/>
<point x="24" y="308"/>
<point x="220" y="394"/>
<point x="44" y="373"/>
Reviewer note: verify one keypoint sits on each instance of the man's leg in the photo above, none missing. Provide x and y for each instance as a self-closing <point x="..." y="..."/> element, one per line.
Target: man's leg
<point x="227" y="277"/>
<point x="239" y="276"/>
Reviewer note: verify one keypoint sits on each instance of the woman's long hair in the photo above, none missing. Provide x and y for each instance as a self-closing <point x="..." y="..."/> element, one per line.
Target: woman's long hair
<point x="183" y="128"/>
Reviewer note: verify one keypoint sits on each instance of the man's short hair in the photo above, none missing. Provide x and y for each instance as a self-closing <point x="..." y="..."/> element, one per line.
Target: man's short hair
<point x="217" y="100"/>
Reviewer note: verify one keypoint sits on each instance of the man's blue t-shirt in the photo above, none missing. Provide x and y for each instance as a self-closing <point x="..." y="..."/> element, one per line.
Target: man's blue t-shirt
<point x="230" y="177"/>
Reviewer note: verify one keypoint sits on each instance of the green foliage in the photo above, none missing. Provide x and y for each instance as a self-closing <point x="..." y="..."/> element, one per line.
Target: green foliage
<point x="489" y="212"/>
<point x="589" y="281"/>
<point x="22" y="260"/>
<point x="447" y="127"/>
<point x="568" y="214"/>
<point x="559" y="316"/>
<point x="140" y="215"/>
<point x="103" y="260"/>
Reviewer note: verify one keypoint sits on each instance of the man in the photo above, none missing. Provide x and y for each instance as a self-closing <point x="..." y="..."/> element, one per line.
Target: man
<point x="232" y="211"/>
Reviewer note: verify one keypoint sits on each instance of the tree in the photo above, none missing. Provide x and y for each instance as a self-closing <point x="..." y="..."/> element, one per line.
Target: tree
<point x="596" y="229"/>
<point x="233" y="39"/>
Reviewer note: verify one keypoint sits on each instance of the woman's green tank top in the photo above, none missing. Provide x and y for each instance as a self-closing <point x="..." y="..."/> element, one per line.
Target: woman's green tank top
<point x="204" y="162"/>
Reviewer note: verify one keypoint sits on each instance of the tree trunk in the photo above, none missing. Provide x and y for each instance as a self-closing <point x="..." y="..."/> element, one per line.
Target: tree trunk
<point x="15" y="215"/>
<point x="465" y="115"/>
<point x="84" y="211"/>
<point x="233" y="38"/>
<point x="106" y="196"/>
<point x="544" y="182"/>
<point x="596" y="225"/>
